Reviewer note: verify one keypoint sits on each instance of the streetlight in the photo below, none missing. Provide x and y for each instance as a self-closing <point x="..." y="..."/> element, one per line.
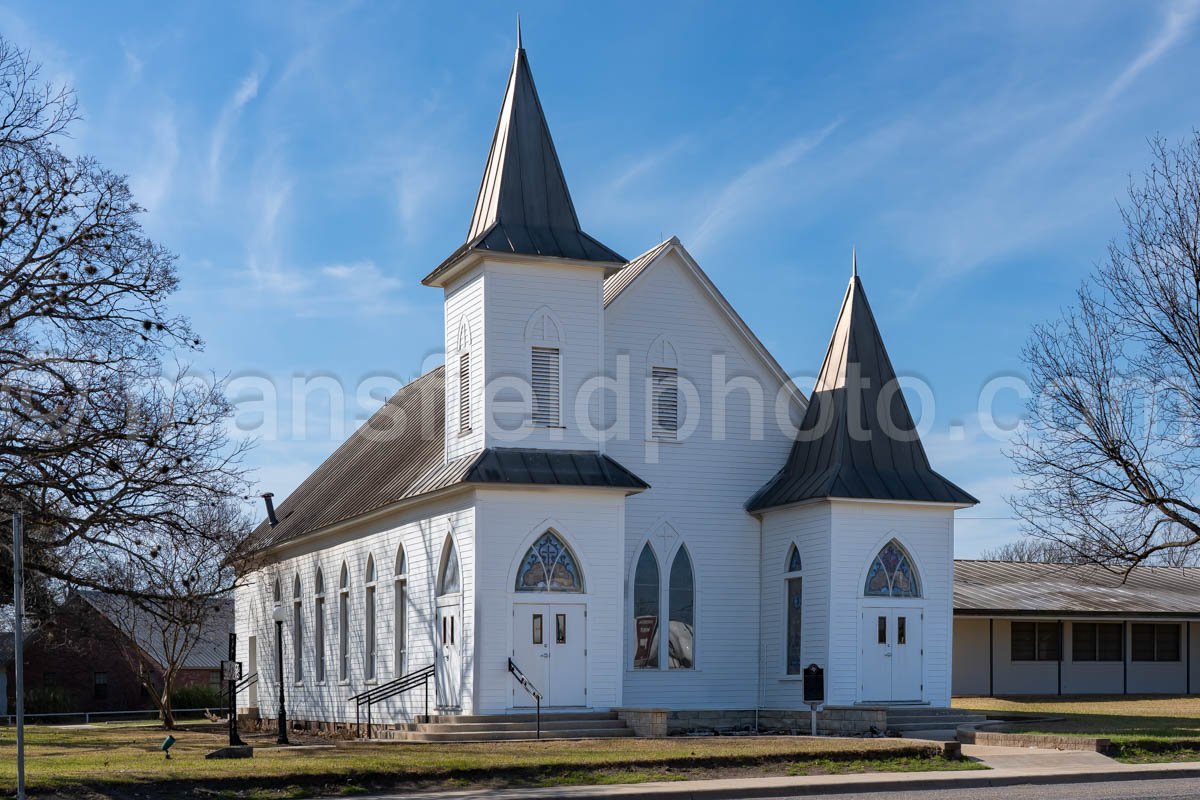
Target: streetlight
<point x="279" y="615"/>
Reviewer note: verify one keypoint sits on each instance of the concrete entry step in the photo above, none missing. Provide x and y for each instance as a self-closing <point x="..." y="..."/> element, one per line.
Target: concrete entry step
<point x="547" y="725"/>
<point x="943" y="721"/>
<point x="457" y="719"/>
<point x="507" y="736"/>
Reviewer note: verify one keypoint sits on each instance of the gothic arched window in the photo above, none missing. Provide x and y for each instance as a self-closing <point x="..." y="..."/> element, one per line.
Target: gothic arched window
<point x="681" y="607"/>
<point x="449" y="581"/>
<point x="549" y="566"/>
<point x="892" y="574"/>
<point x="645" y="610"/>
<point x="794" y="613"/>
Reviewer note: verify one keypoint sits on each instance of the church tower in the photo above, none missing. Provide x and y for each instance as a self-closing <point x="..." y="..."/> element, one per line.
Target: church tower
<point x="523" y="295"/>
<point x="858" y="499"/>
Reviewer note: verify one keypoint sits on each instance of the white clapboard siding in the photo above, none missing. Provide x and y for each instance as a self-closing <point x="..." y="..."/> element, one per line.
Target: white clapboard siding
<point x="700" y="483"/>
<point x="464" y="304"/>
<point x="422" y="534"/>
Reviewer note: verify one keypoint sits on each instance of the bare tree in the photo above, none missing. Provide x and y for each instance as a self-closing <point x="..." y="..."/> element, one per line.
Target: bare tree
<point x="99" y="440"/>
<point x="175" y="604"/>
<point x="1030" y="550"/>
<point x="1110" y="458"/>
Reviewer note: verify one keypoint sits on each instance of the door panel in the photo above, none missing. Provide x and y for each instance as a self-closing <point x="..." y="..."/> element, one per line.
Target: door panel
<point x="449" y="660"/>
<point x="906" y="655"/>
<point x="877" y="637"/>
<point x="568" y="661"/>
<point x="532" y="630"/>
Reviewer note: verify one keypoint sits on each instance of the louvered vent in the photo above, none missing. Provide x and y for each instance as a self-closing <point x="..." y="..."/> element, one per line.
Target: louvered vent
<point x="664" y="402"/>
<point x="464" y="393"/>
<point x="545" y="386"/>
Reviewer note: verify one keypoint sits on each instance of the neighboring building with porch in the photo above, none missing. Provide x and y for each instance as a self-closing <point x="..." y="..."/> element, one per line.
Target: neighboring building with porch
<point x="613" y="486"/>
<point x="1048" y="629"/>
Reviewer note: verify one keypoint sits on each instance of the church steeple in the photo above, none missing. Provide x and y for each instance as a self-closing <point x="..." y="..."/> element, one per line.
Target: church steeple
<point x="858" y="439"/>
<point x="524" y="205"/>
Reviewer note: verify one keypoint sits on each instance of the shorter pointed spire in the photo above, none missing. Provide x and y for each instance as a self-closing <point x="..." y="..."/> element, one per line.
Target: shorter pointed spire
<point x="853" y="261"/>
<point x="519" y="47"/>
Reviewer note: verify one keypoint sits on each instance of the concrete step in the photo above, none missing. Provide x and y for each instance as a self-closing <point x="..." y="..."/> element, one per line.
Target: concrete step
<point x="923" y="726"/>
<point x="508" y="736"/>
<point x="924" y="711"/>
<point x="477" y="727"/>
<point x="943" y="720"/>
<point x="456" y="719"/>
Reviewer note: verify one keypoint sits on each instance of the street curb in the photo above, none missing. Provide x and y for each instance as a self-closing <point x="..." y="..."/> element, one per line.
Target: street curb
<point x="806" y="786"/>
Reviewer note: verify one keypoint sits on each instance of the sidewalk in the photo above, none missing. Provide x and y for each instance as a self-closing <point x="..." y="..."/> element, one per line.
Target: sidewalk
<point x="1010" y="767"/>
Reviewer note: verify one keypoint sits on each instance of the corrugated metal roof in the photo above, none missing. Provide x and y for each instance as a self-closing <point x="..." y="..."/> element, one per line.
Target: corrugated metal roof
<point x="212" y="645"/>
<point x="398" y="455"/>
<point x="846" y="447"/>
<point x="615" y="284"/>
<point x="524" y="205"/>
<point x="1004" y="587"/>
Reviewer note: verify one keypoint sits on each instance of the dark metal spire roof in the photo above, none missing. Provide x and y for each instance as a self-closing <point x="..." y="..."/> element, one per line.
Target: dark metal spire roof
<point x="848" y="446"/>
<point x="524" y="205"/>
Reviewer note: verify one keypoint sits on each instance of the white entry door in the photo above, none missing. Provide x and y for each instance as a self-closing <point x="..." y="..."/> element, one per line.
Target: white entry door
<point x="448" y="665"/>
<point x="549" y="647"/>
<point x="891" y="654"/>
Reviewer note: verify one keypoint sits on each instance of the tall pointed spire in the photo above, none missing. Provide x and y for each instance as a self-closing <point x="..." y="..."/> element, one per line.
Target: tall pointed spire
<point x="858" y="439"/>
<point x="524" y="205"/>
<point x="853" y="261"/>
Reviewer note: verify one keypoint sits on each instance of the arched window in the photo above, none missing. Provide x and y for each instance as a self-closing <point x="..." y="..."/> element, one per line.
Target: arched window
<point x="369" y="607"/>
<point x="892" y="574"/>
<point x="549" y="566"/>
<point x="682" y="610"/>
<point x="319" y="623"/>
<point x="277" y="592"/>
<point x="297" y="632"/>
<point x="663" y="369"/>
<point x="400" y="609"/>
<point x="344" y="624"/>
<point x="449" y="581"/>
<point x="645" y="610"/>
<point x="794" y="613"/>
<point x="464" y="377"/>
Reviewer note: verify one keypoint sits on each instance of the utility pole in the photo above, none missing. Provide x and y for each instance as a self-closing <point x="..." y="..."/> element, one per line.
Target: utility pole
<point x="19" y="648"/>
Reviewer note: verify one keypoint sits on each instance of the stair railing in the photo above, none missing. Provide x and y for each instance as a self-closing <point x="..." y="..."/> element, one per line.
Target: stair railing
<point x="240" y="686"/>
<point x="386" y="691"/>
<point x="528" y="686"/>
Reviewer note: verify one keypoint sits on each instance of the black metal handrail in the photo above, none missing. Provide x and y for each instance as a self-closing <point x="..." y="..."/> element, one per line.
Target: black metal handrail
<point x="377" y="694"/>
<point x="241" y="685"/>
<point x="528" y="686"/>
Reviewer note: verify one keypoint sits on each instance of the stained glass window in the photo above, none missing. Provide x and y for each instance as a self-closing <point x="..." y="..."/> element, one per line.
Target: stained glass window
<point x="549" y="566"/>
<point x="793" y="560"/>
<point x="681" y="596"/>
<point x="449" y="582"/>
<point x="892" y="574"/>
<point x="645" y="611"/>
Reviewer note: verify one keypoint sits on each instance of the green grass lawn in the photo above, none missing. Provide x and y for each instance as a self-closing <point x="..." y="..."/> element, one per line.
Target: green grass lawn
<point x="1144" y="728"/>
<point x="118" y="760"/>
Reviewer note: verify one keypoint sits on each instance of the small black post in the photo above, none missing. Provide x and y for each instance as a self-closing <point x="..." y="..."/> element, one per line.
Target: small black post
<point x="282" y="738"/>
<point x="539" y="716"/>
<point x="232" y="679"/>
<point x="357" y="720"/>
<point x="427" y="698"/>
<point x="368" y="716"/>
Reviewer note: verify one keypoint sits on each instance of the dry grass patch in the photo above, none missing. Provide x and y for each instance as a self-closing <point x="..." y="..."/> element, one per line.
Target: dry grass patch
<point x="121" y="761"/>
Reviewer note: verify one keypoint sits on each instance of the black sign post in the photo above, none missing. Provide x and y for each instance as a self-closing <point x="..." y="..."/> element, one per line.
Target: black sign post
<point x="814" y="691"/>
<point x="232" y="670"/>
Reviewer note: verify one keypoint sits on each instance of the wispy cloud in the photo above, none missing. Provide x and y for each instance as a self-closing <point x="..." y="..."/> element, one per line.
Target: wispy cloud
<point x="755" y="186"/>
<point x="151" y="181"/>
<point x="231" y="112"/>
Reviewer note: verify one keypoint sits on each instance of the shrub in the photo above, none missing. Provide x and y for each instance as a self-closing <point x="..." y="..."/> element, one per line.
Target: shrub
<point x="196" y="696"/>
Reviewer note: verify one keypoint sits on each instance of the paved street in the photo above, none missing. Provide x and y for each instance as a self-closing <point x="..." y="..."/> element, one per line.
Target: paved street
<point x="1110" y="790"/>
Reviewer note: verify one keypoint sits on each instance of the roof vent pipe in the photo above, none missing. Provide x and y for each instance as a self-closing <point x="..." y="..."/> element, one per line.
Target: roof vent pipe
<point x="271" y="518"/>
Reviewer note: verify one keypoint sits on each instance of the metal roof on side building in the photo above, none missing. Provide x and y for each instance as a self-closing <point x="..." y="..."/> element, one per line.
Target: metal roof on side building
<point x="999" y="588"/>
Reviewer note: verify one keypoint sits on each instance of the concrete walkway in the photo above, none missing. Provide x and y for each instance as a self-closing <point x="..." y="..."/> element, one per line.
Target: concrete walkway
<point x="1026" y="766"/>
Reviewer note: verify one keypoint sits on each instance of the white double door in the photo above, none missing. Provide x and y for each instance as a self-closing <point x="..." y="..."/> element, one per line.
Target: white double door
<point x="550" y="647"/>
<point x="892" y="650"/>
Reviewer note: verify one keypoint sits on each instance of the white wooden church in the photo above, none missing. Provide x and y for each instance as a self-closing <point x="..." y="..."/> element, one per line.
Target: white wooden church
<point x="613" y="487"/>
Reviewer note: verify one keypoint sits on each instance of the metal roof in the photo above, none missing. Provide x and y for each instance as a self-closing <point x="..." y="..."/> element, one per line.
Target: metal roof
<point x="398" y="454"/>
<point x="210" y="649"/>
<point x="990" y="588"/>
<point x="616" y="283"/>
<point x="847" y="448"/>
<point x="524" y="205"/>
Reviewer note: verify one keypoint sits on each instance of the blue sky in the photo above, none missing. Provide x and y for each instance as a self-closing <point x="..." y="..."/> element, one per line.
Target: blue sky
<point x="311" y="162"/>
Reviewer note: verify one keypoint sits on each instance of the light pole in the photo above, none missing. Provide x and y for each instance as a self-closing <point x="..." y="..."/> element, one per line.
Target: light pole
<point x="279" y="615"/>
